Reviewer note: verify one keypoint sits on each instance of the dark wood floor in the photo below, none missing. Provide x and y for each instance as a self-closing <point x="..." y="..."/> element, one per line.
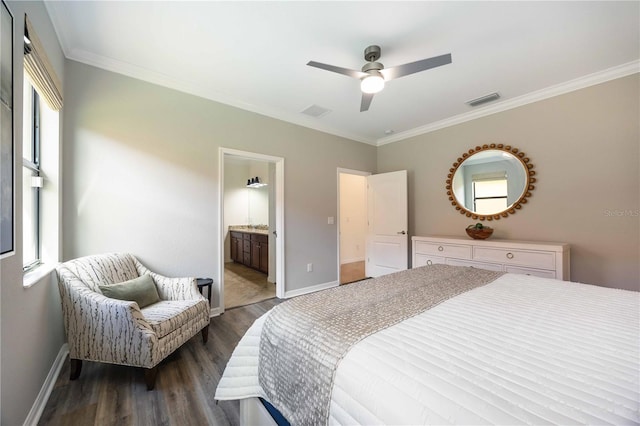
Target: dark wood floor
<point x="108" y="394"/>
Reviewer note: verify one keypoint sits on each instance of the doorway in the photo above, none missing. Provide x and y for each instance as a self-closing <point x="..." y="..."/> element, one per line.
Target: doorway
<point x="251" y="261"/>
<point x="352" y="225"/>
<point x="372" y="224"/>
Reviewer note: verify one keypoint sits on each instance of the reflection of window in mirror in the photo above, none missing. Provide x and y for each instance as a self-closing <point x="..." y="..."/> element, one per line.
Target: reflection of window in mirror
<point x="490" y="194"/>
<point x="490" y="182"/>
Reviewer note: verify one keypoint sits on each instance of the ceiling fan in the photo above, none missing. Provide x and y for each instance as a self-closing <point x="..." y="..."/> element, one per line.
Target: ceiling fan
<point x="373" y="74"/>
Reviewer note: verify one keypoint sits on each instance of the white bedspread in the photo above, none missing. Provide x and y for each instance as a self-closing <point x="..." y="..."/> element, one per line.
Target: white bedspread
<point x="521" y="350"/>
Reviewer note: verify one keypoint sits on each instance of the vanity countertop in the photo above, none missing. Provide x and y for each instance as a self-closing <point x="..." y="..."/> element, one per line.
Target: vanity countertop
<point x="258" y="229"/>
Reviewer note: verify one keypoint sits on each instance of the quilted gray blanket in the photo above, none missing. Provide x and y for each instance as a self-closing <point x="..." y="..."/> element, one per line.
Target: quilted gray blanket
<point x="304" y="339"/>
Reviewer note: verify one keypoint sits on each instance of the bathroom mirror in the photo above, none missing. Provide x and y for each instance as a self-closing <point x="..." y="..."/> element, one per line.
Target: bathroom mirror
<point x="490" y="182"/>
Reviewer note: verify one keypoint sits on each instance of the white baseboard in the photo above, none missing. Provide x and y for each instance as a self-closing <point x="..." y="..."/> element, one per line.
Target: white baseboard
<point x="312" y="289"/>
<point x="47" y="387"/>
<point x="215" y="312"/>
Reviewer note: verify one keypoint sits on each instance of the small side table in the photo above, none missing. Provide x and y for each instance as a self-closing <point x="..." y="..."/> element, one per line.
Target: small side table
<point x="205" y="282"/>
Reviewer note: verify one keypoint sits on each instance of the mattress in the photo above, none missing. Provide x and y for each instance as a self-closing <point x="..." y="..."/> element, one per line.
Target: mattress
<point x="520" y="350"/>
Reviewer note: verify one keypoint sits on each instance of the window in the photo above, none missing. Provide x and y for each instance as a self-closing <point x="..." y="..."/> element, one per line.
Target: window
<point x="31" y="179"/>
<point x="42" y="103"/>
<point x="490" y="195"/>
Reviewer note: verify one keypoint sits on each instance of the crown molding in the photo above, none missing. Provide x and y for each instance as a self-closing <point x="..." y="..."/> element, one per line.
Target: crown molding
<point x="154" y="77"/>
<point x="141" y="73"/>
<point x="164" y="80"/>
<point x="539" y="95"/>
<point x="150" y="76"/>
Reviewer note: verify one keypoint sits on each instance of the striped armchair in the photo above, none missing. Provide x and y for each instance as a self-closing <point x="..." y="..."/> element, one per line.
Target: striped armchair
<point x="115" y="331"/>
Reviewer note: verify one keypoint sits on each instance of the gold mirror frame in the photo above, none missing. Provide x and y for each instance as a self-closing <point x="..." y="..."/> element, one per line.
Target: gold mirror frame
<point x="526" y="193"/>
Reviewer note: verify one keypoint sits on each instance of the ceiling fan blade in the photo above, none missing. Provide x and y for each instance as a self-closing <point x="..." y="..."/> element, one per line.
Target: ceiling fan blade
<point x="339" y="70"/>
<point x="366" y="101"/>
<point x="414" y="67"/>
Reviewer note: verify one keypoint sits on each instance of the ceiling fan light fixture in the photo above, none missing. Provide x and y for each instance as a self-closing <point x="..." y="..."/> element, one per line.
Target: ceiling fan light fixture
<point x="374" y="74"/>
<point x="373" y="83"/>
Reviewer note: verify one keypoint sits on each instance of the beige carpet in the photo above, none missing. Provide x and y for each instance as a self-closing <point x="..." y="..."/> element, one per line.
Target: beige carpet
<point x="243" y="286"/>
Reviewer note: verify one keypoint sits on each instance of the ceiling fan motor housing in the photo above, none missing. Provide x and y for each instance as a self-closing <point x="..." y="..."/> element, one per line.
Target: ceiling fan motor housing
<point x="372" y="53"/>
<point x="372" y="66"/>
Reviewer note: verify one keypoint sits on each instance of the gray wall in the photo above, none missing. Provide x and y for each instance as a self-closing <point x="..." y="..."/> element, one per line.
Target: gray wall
<point x="145" y="176"/>
<point x="31" y="328"/>
<point x="585" y="148"/>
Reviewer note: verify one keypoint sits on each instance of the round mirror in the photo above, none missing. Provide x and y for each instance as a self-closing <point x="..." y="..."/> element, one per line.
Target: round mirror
<point x="490" y="181"/>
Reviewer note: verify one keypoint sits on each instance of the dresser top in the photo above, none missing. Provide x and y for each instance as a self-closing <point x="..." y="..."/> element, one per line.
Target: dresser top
<point x="494" y="242"/>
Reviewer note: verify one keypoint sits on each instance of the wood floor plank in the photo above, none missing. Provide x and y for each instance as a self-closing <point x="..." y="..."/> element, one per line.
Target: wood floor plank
<point x="115" y="394"/>
<point x="351" y="272"/>
<point x="108" y="394"/>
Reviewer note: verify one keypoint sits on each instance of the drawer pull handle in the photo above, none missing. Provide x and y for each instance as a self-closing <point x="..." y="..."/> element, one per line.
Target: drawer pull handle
<point x="440" y="248"/>
<point x="509" y="255"/>
<point x="429" y="262"/>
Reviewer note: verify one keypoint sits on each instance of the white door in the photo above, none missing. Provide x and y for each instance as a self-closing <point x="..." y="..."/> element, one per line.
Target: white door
<point x="387" y="238"/>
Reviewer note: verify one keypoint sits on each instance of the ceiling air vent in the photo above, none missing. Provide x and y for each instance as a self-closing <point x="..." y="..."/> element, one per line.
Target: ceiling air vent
<point x="315" y="111"/>
<point x="483" y="99"/>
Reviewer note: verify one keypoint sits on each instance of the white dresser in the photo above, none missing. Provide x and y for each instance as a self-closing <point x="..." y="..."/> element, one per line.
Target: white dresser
<point x="548" y="260"/>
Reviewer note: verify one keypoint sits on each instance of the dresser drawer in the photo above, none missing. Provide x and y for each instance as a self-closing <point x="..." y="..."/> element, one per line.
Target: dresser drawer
<point x="542" y="259"/>
<point x="533" y="259"/>
<point x="479" y="265"/>
<point x="443" y="250"/>
<point x="423" y="259"/>
<point x="530" y="271"/>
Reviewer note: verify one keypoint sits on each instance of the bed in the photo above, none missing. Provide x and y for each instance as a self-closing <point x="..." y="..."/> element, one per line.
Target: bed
<point x="443" y="345"/>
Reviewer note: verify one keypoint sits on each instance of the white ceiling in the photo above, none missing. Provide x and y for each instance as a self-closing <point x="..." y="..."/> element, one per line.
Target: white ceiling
<point x="253" y="55"/>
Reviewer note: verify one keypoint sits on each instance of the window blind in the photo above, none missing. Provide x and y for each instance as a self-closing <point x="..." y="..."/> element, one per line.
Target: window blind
<point x="39" y="69"/>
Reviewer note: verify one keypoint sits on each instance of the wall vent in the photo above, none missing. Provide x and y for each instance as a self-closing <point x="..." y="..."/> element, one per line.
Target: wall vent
<point x="483" y="99"/>
<point x="315" y="111"/>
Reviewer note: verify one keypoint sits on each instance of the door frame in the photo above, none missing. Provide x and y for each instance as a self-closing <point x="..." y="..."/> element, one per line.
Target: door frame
<point x="279" y="194"/>
<point x="348" y="172"/>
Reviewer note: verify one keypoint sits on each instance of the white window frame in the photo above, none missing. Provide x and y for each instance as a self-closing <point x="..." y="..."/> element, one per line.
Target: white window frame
<point x="33" y="164"/>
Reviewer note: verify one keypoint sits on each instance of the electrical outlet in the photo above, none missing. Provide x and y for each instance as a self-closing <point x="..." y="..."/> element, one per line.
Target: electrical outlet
<point x="309" y="267"/>
<point x="330" y="220"/>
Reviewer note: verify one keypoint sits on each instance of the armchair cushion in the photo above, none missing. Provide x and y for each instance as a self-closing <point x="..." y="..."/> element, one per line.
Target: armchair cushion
<point x="141" y="290"/>
<point x="168" y="316"/>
